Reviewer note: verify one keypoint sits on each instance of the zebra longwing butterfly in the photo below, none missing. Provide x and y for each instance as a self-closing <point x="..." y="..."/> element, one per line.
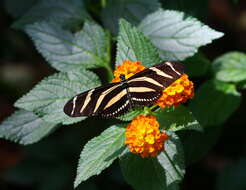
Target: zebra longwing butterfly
<point x="115" y="99"/>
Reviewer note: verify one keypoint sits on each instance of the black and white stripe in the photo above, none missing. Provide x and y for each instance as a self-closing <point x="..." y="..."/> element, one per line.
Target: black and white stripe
<point x="115" y="99"/>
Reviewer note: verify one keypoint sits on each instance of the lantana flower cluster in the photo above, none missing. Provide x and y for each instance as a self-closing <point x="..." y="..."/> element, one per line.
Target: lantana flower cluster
<point x="143" y="135"/>
<point x="177" y="93"/>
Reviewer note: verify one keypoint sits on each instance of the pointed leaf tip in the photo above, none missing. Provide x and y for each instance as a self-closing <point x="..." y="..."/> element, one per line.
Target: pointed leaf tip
<point x="176" y="36"/>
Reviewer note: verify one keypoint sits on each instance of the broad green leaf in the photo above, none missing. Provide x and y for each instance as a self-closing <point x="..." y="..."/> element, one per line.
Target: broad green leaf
<point x="179" y="118"/>
<point x="133" y="45"/>
<point x="16" y="9"/>
<point x="162" y="172"/>
<point x="197" y="65"/>
<point x="143" y="173"/>
<point x="233" y="176"/>
<point x="49" y="96"/>
<point x="62" y="12"/>
<point x="176" y="36"/>
<point x="214" y="102"/>
<point x="230" y="67"/>
<point x="25" y="127"/>
<point x="99" y="153"/>
<point x="133" y="11"/>
<point x="131" y="114"/>
<point x="53" y="112"/>
<point x="65" y="51"/>
<point x="172" y="160"/>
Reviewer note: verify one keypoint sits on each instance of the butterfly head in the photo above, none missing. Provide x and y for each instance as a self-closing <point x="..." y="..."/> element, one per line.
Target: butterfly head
<point x="122" y="77"/>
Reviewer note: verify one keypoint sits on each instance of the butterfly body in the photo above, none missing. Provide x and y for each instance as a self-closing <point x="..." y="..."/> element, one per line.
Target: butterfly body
<point x="115" y="99"/>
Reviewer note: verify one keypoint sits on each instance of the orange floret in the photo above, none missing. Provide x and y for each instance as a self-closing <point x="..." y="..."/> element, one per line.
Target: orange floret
<point x="178" y="92"/>
<point x="144" y="137"/>
<point x="128" y="68"/>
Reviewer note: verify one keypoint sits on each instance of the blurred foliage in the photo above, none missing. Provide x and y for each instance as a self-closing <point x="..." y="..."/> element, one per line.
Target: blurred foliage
<point x="198" y="9"/>
<point x="233" y="176"/>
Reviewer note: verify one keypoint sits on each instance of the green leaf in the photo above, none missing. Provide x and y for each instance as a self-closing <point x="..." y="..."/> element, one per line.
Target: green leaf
<point x="133" y="11"/>
<point x="143" y="173"/>
<point x="176" y="36"/>
<point x="62" y="12"/>
<point x="233" y="176"/>
<point x="25" y="127"/>
<point x="230" y="67"/>
<point x="131" y="114"/>
<point x="172" y="160"/>
<point x="50" y="95"/>
<point x="214" y="102"/>
<point x="53" y="112"/>
<point x="134" y="46"/>
<point x="65" y="51"/>
<point x="99" y="153"/>
<point x="179" y="118"/>
<point x="163" y="172"/>
<point x="197" y="65"/>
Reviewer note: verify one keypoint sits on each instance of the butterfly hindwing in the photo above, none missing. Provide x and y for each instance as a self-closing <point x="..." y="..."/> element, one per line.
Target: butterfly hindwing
<point x="144" y="91"/>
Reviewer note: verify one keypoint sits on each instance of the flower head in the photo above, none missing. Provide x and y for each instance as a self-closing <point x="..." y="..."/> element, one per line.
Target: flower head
<point x="144" y="137"/>
<point x="178" y="92"/>
<point x="128" y="68"/>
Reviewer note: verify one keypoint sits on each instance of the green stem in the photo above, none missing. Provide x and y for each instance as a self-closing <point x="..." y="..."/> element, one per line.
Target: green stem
<point x="153" y="107"/>
<point x="107" y="62"/>
<point x="110" y="75"/>
<point x="103" y="3"/>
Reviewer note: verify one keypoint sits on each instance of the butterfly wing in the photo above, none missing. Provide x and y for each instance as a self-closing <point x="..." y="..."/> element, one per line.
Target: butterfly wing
<point x="115" y="99"/>
<point x="107" y="101"/>
<point x="146" y="86"/>
<point x="144" y="91"/>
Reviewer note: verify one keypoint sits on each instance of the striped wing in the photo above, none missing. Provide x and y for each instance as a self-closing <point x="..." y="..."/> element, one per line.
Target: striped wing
<point x="107" y="101"/>
<point x="146" y="86"/>
<point x="115" y="99"/>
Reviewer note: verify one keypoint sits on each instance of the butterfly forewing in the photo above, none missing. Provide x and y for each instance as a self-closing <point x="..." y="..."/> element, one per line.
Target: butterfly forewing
<point x="84" y="104"/>
<point x="107" y="101"/>
<point x="152" y="81"/>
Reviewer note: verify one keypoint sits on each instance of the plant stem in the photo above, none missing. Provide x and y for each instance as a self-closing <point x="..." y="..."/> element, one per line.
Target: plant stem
<point x="103" y="3"/>
<point x="153" y="107"/>
<point x="110" y="75"/>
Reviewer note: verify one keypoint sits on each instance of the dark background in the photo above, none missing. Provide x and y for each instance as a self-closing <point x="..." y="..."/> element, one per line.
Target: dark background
<point x="51" y="163"/>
